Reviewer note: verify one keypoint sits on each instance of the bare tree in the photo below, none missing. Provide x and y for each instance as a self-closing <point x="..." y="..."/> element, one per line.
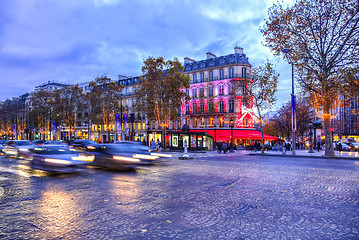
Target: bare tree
<point x="262" y="91"/>
<point x="323" y="38"/>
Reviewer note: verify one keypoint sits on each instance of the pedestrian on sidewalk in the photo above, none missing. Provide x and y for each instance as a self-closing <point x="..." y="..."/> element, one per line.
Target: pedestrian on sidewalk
<point x="318" y="145"/>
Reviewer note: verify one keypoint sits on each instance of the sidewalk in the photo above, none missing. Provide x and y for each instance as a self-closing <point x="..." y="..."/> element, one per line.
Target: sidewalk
<point x="305" y="153"/>
<point x="299" y="153"/>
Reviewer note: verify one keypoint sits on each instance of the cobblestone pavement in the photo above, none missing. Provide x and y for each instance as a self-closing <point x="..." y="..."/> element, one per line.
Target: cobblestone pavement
<point x="213" y="196"/>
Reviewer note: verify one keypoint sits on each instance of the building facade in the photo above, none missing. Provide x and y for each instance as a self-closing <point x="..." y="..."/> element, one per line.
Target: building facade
<point x="218" y="92"/>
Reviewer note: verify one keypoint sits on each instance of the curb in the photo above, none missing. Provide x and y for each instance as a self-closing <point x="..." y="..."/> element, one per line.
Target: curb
<point x="302" y="156"/>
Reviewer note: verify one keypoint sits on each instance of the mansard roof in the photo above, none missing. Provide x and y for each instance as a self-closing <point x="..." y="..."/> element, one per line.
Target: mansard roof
<point x="235" y="58"/>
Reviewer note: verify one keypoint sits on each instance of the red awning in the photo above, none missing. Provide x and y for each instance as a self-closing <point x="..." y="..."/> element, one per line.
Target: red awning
<point x="225" y="134"/>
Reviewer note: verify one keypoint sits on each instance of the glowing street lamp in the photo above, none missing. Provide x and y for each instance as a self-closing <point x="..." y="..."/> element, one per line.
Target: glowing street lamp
<point x="294" y="121"/>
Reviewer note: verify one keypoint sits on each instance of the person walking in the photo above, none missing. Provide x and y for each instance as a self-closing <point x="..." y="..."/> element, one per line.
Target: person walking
<point x="318" y="145"/>
<point x="153" y="144"/>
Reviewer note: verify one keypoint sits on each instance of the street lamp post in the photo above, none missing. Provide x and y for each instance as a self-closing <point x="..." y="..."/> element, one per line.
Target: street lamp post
<point x="310" y="138"/>
<point x="231" y="122"/>
<point x="294" y="122"/>
<point x="215" y="134"/>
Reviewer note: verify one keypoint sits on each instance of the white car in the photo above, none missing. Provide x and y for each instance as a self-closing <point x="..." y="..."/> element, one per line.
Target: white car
<point x="17" y="148"/>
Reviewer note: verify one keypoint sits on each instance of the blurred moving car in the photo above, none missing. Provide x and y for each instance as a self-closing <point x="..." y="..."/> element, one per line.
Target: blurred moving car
<point x="17" y="148"/>
<point x="59" y="158"/>
<point x="82" y="144"/>
<point x="38" y="142"/>
<point x="56" y="143"/>
<point x="2" y="145"/>
<point x="122" y="156"/>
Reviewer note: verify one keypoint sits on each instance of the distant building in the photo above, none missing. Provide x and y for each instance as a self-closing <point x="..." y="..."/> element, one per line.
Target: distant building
<point x="51" y="86"/>
<point x="346" y="123"/>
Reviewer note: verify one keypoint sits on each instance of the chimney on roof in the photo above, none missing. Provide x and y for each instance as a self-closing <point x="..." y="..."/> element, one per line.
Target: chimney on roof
<point x="238" y="49"/>
<point x="210" y="55"/>
<point x="188" y="60"/>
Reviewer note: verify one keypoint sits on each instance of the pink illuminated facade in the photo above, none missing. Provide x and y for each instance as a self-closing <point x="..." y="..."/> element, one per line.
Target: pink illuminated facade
<point x="218" y="92"/>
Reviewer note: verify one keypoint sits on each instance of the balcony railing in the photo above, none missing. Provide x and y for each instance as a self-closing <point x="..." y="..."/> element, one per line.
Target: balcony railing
<point x="243" y="76"/>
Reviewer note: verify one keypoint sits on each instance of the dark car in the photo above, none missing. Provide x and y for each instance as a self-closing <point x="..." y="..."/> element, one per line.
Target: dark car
<point x="82" y="144"/>
<point x="353" y="146"/>
<point x="17" y="148"/>
<point x="59" y="158"/>
<point x="56" y="143"/>
<point x="121" y="156"/>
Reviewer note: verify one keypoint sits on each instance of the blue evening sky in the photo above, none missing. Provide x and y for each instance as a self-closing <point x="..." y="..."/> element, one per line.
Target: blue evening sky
<point x="74" y="41"/>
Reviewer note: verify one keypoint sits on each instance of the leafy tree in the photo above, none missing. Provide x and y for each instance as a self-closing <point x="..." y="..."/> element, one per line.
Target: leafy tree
<point x="262" y="91"/>
<point x="40" y="109"/>
<point x="322" y="36"/>
<point x="68" y="105"/>
<point x="270" y="128"/>
<point x="158" y="94"/>
<point x="10" y="114"/>
<point x="103" y="99"/>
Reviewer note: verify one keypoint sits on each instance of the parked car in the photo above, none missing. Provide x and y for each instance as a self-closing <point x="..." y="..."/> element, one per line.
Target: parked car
<point x="17" y="148"/>
<point x="345" y="147"/>
<point x="353" y="146"/>
<point x="59" y="158"/>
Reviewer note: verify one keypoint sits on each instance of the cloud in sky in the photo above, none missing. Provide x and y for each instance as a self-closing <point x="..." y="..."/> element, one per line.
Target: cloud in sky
<point x="76" y="41"/>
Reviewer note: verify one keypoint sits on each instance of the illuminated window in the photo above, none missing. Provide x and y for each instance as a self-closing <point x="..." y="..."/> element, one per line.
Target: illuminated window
<point x="187" y="108"/>
<point x="202" y="123"/>
<point x="221" y="122"/>
<point x="211" y="122"/>
<point x="195" y="122"/>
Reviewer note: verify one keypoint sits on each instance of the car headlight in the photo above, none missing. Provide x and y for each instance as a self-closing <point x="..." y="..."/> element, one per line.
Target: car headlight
<point x="84" y="158"/>
<point x="58" y="161"/>
<point x="161" y="155"/>
<point x="121" y="158"/>
<point x="144" y="156"/>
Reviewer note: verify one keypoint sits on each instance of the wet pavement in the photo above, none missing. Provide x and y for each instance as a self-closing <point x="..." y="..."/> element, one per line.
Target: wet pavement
<point x="213" y="196"/>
